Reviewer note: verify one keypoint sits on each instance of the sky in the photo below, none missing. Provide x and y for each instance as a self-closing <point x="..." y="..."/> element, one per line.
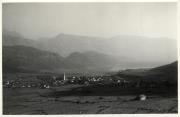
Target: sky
<point x="39" y="20"/>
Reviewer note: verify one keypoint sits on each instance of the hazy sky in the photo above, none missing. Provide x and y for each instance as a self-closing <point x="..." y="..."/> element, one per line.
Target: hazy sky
<point x="91" y="19"/>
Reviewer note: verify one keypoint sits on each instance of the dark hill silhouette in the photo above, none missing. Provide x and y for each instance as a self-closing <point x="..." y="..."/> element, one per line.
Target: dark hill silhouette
<point x="163" y="73"/>
<point x="28" y="59"/>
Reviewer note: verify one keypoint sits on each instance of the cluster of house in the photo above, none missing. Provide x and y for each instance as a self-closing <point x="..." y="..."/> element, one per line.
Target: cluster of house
<point x="54" y="81"/>
<point x="19" y="83"/>
<point x="99" y="79"/>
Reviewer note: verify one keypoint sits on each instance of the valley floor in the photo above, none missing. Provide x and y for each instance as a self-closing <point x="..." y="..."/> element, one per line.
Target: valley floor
<point x="27" y="101"/>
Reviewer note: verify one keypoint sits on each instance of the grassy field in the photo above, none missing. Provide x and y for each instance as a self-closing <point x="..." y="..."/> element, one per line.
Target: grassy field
<point x="41" y="101"/>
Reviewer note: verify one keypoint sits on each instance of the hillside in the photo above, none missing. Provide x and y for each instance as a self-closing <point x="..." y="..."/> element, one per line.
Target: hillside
<point x="163" y="73"/>
<point x="90" y="61"/>
<point x="28" y="59"/>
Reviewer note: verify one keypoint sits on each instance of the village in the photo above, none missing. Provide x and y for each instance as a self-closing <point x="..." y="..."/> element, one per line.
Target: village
<point x="51" y="81"/>
<point x="48" y="81"/>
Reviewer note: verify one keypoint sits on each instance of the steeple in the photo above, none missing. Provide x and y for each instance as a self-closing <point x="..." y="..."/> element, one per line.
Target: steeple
<point x="64" y="77"/>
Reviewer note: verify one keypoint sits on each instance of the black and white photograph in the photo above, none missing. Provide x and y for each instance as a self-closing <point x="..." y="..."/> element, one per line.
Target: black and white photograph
<point x="74" y="58"/>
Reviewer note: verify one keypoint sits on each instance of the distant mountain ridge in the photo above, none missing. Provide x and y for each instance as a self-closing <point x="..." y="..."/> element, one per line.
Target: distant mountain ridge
<point x="129" y="51"/>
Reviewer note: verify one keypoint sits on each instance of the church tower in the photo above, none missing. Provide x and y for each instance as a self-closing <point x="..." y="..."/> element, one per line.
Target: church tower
<point x="64" y="76"/>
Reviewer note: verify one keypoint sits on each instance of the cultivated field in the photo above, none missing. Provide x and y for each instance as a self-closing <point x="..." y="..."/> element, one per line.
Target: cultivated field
<point x="41" y="101"/>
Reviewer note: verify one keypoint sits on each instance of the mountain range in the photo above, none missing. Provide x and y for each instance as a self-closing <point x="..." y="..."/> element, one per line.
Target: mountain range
<point x="74" y="52"/>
